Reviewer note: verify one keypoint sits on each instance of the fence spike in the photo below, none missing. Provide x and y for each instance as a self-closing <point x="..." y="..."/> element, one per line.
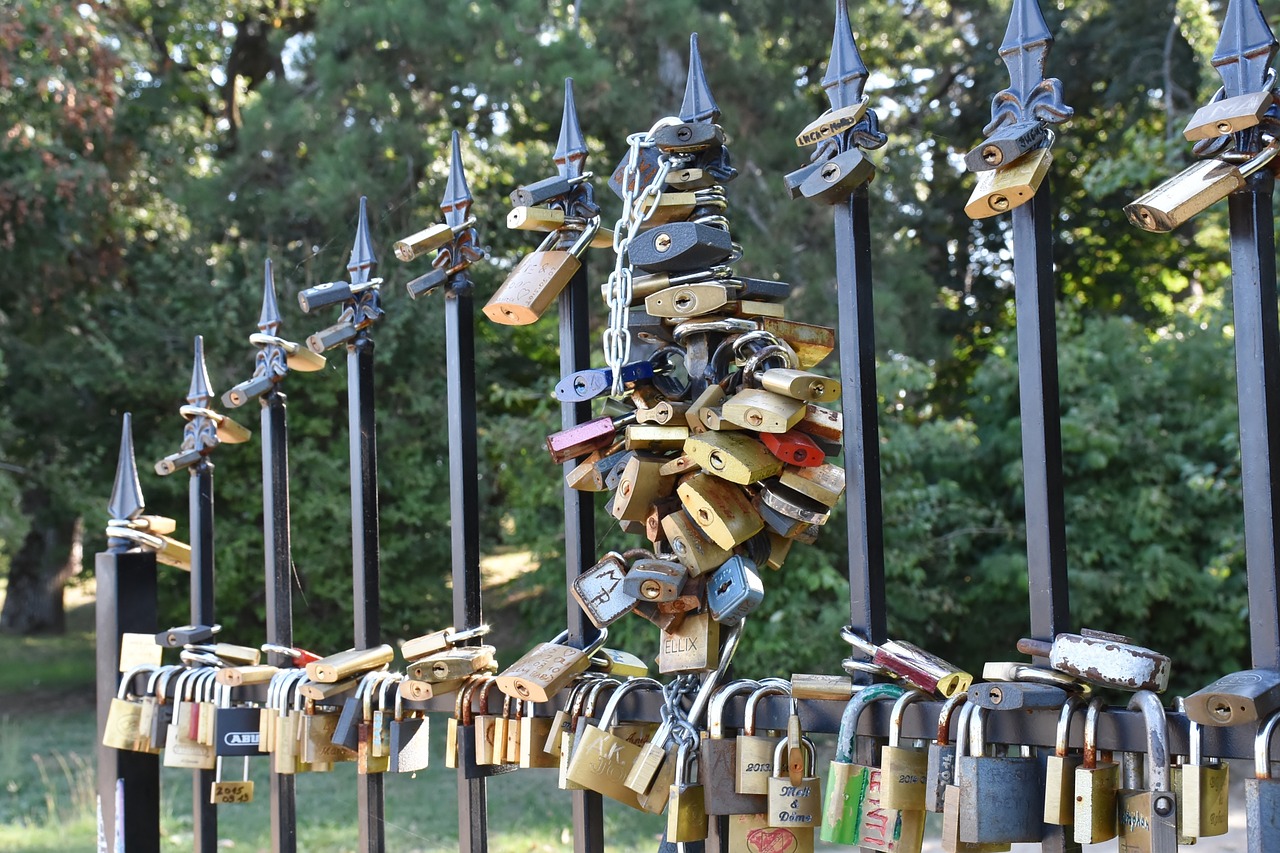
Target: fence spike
<point x="1245" y="50"/>
<point x="846" y="72"/>
<point x="457" y="195"/>
<point x="363" y="263"/>
<point x="126" y="493"/>
<point x="269" y="319"/>
<point x="1030" y="95"/>
<point x="199" y="394"/>
<point x="699" y="104"/>
<point x="571" y="150"/>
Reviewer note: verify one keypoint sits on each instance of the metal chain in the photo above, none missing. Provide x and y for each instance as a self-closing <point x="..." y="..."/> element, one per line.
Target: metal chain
<point x="617" y="338"/>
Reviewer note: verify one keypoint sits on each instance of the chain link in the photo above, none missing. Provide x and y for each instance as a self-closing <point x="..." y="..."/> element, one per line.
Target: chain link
<point x="617" y="337"/>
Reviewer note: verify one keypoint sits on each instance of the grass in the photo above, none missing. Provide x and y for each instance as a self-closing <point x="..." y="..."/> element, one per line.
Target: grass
<point x="48" y="794"/>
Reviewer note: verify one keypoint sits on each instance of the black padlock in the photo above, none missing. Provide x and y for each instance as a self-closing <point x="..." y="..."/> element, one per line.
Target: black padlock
<point x="680" y="246"/>
<point x="795" y="180"/>
<point x="424" y="284"/>
<point x="183" y="635"/>
<point x="1006" y="145"/>
<point x="688" y="137"/>
<point x="835" y="179"/>
<point x="540" y="192"/>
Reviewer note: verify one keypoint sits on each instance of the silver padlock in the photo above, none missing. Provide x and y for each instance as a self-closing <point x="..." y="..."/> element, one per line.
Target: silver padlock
<point x="734" y="591"/>
<point x="600" y="593"/>
<point x="655" y="580"/>
<point x="1262" y="795"/>
<point x="1001" y="796"/>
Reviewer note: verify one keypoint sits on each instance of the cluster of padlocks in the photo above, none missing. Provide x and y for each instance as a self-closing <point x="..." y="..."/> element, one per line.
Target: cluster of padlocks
<point x="714" y="444"/>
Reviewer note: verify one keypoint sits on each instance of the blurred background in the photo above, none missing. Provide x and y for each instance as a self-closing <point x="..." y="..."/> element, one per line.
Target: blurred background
<point x="153" y="154"/>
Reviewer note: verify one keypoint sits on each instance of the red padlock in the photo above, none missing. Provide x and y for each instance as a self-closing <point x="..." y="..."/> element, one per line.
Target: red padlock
<point x="794" y="448"/>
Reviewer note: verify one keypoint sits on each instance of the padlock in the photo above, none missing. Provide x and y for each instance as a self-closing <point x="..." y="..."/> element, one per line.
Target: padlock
<point x="1001" y="190"/>
<point x="854" y="813"/>
<point x="824" y="483"/>
<point x="763" y="411"/>
<point x="903" y="770"/>
<point x="691" y="546"/>
<point x="794" y="448"/>
<point x="639" y="486"/>
<point x="122" y="729"/>
<point x="686" y="808"/>
<point x="599" y="591"/>
<point x="792" y="504"/>
<point x="832" y="122"/>
<point x="1017" y="696"/>
<point x="1148" y="818"/>
<point x="1262" y="794"/>
<point x="545" y="190"/>
<point x="654" y="580"/>
<point x="601" y="760"/>
<point x="822" y="424"/>
<point x="1006" y="145"/>
<point x="1228" y="115"/>
<point x="332" y="293"/>
<point x="618" y="663"/>
<point x="582" y="707"/>
<point x="735" y="590"/>
<point x="917" y="667"/>
<point x="486" y="728"/>
<point x="594" y="382"/>
<point x="720" y="509"/>
<point x="460" y="723"/>
<point x="656" y="438"/>
<point x="421" y="242"/>
<point x="663" y="412"/>
<point x="235" y="792"/>
<point x="1203" y="800"/>
<point x="1197" y="187"/>
<point x="834" y="180"/>
<point x="409" y="740"/>
<point x="753" y="752"/>
<point x="235" y="728"/>
<point x="585" y="437"/>
<point x="346" y="664"/>
<point x="679" y="246"/>
<point x="795" y="793"/>
<point x="718" y="764"/>
<point x="733" y="456"/>
<point x="367" y="758"/>
<point x="688" y="137"/>
<point x="180" y="748"/>
<point x="1060" y="770"/>
<point x="546" y="668"/>
<point x="951" y="815"/>
<point x="1240" y="697"/>
<point x="1108" y="660"/>
<point x="799" y="385"/>
<point x="439" y="641"/>
<point x="941" y="760"/>
<point x="710" y="398"/>
<point x="1001" y="796"/>
<point x="691" y="646"/>
<point x="534" y="731"/>
<point x="538" y="279"/>
<point x="453" y="664"/>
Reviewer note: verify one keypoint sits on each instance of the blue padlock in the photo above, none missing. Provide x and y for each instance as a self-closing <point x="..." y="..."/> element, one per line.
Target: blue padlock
<point x="734" y="591"/>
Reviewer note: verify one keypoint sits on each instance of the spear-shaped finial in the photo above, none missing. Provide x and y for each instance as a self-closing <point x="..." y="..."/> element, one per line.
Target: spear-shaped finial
<point x="363" y="262"/>
<point x="126" y="494"/>
<point x="269" y="319"/>
<point x="1024" y="50"/>
<point x="571" y="150"/>
<point x="199" y="394"/>
<point x="846" y="72"/>
<point x="699" y="104"/>
<point x="457" y="195"/>
<point x="1245" y="50"/>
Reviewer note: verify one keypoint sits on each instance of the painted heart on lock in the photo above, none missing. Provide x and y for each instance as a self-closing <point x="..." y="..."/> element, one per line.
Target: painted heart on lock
<point x="770" y="839"/>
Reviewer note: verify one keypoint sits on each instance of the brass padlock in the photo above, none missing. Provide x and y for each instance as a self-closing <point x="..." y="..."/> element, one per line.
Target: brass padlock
<point x="1060" y="770"/>
<point x="1001" y="190"/>
<point x="733" y="456"/>
<point x="691" y="546"/>
<point x="538" y="279"/>
<point x="832" y="122"/>
<point x="762" y="411"/>
<point x="1195" y="188"/>
<point x="1096" y="782"/>
<point x="686" y="809"/>
<point x="800" y="385"/>
<point x="1229" y="115"/>
<point x="720" y="508"/>
<point x="547" y="668"/>
<point x="753" y="752"/>
<point x="693" y="645"/>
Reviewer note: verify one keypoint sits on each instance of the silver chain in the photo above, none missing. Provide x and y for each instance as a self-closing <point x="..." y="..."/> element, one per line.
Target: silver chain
<point x="617" y="338"/>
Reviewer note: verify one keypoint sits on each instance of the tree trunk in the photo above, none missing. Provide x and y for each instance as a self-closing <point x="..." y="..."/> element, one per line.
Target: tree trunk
<point x="49" y="556"/>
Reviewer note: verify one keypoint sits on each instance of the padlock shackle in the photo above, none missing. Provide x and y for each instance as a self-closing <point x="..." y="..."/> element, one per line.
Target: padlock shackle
<point x="753" y="701"/>
<point x="806" y="746"/>
<point x="1091" y="717"/>
<point x="1262" y="747"/>
<point x="715" y="710"/>
<point x="899" y="711"/>
<point x="1063" y="735"/>
<point x="593" y="692"/>
<point x="944" y="716"/>
<point x="962" y="739"/>
<point x="853" y="710"/>
<point x="610" y="711"/>
<point x="1157" y="726"/>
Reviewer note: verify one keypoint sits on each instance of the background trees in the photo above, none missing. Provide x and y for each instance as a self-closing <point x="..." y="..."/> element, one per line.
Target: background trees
<point x="152" y="155"/>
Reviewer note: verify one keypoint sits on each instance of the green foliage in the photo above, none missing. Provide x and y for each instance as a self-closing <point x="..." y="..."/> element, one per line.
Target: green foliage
<point x="204" y="137"/>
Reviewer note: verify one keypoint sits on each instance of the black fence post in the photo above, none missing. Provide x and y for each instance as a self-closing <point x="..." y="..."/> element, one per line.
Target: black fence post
<point x="1243" y="59"/>
<point x="1032" y="98"/>
<point x="271" y="363"/>
<point x="128" y="782"/>
<point x="579" y="507"/>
